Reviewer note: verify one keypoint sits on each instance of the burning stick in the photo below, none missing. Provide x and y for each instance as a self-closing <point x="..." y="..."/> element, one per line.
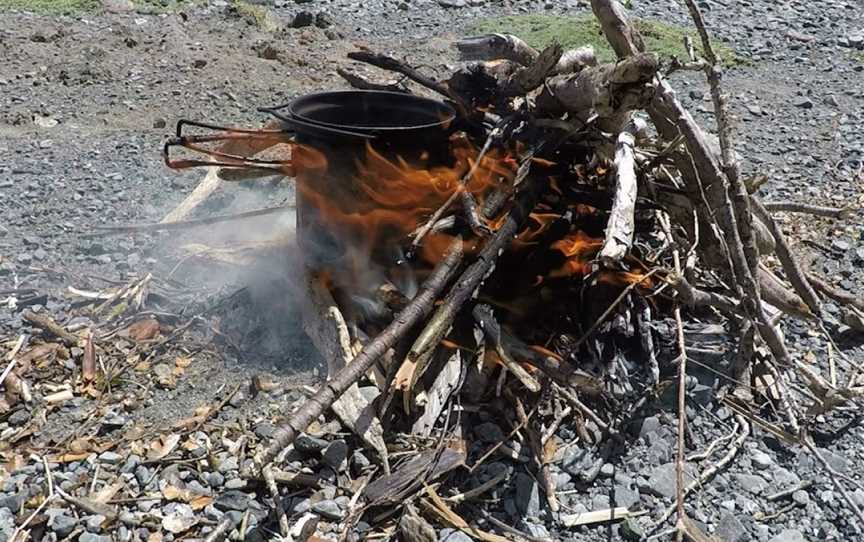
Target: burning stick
<point x="419" y="307"/>
<point x="438" y="326"/>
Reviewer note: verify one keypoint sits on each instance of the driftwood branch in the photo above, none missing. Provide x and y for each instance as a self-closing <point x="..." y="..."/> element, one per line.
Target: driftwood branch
<point x="491" y="47"/>
<point x="805" y="208"/>
<point x="622" y="222"/>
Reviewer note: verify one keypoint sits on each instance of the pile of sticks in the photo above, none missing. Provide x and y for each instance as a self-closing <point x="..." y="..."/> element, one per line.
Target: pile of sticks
<point x="706" y="249"/>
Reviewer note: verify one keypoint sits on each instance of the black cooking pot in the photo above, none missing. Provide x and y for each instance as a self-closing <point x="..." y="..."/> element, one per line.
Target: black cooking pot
<point x="393" y="122"/>
<point x="341" y="125"/>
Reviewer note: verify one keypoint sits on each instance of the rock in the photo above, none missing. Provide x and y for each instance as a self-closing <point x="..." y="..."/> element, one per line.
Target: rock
<point x="214" y="479"/>
<point x="179" y="518"/>
<point x="789" y="535"/>
<point x="607" y="470"/>
<point x="91" y="537"/>
<point x="19" y="417"/>
<point x="199" y="63"/>
<point x="234" y="500"/>
<point x="13" y="501"/>
<point x="229" y="464"/>
<point x="751" y="483"/>
<point x="803" y="103"/>
<point x="7" y="523"/>
<point x="452" y="3"/>
<point x="309" y="445"/>
<point x="625" y="496"/>
<point x="841" y="245"/>
<point x="761" y="460"/>
<point x="755" y="110"/>
<point x="662" y="481"/>
<point x="730" y="529"/>
<point x="303" y="19"/>
<point x="94" y="523"/>
<point x="856" y="39"/>
<point x="111" y="458"/>
<point x="799" y="36"/>
<point x="62" y="525"/>
<point x="651" y="424"/>
<point x="264" y="430"/>
<point x="328" y="509"/>
<point x="631" y="530"/>
<point x="453" y="535"/>
<point x="527" y="495"/>
<point x="336" y="455"/>
<point x="360" y="460"/>
<point x="801" y="497"/>
<point x="159" y="122"/>
<point x="837" y="461"/>
<point x="323" y="20"/>
<point x="536" y="530"/>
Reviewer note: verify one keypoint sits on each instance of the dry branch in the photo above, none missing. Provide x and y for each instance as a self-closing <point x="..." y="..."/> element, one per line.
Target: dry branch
<point x="492" y="47"/>
<point x="343" y="379"/>
<point x="622" y="222"/>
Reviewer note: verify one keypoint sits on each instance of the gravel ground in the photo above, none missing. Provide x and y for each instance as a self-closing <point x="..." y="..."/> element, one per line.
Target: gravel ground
<point x="85" y="102"/>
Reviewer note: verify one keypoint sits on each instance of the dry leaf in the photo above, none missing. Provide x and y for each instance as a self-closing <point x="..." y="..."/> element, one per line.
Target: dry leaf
<point x="143" y="330"/>
<point x="183" y="362"/>
<point x="70" y="457"/>
<point x="164" y="446"/>
<point x="200" y="502"/>
<point x="142" y="367"/>
<point x="549" y="450"/>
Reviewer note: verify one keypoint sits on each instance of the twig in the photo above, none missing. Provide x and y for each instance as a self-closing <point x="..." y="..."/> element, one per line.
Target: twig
<point x="479" y="490"/>
<point x="710" y="472"/>
<point x="834" y="475"/>
<point x="184" y="224"/>
<point x="817" y="210"/>
<point x="391" y="64"/>
<point x="221" y="530"/>
<point x="612" y="306"/>
<point x="284" y="527"/>
<point x="790" y="265"/>
<point x="11" y="356"/>
<point x="46" y="323"/>
<point x="682" y="411"/>
<point x="357" y="81"/>
<point x="839" y="296"/>
<point x="788" y="492"/>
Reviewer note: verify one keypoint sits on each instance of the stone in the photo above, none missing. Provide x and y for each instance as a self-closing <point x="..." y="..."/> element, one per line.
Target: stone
<point x="62" y="525"/>
<point x="336" y="455"/>
<point x="625" y="496"/>
<point x="751" y="483"/>
<point x="214" y="479"/>
<point x="837" y="461"/>
<point x="631" y="530"/>
<point x="452" y="3"/>
<point x="94" y="523"/>
<point x="841" y="245"/>
<point x="662" y="481"/>
<point x="730" y="529"/>
<point x="527" y="495"/>
<point x="19" y="417"/>
<point x="309" y="445"/>
<point x="651" y="424"/>
<point x="92" y="537"/>
<point x="789" y="535"/>
<point x="111" y="458"/>
<point x="328" y="509"/>
<point x="801" y="497"/>
<point x="803" y="103"/>
<point x="264" y="430"/>
<point x="303" y="19"/>
<point x="234" y="500"/>
<point x="179" y="518"/>
<point x="761" y="460"/>
<point x="607" y="470"/>
<point x="453" y="535"/>
<point x="755" y="110"/>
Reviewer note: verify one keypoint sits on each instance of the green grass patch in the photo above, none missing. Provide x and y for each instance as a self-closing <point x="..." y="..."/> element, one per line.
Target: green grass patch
<point x="50" y="6"/>
<point x="542" y="30"/>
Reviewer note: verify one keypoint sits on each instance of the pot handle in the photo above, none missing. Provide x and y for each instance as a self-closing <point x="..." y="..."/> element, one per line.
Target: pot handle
<point x="226" y="159"/>
<point x="293" y="121"/>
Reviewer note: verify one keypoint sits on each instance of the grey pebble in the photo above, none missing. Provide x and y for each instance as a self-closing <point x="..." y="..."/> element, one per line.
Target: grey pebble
<point x="801" y="497"/>
<point x="327" y="509"/>
<point x="62" y="525"/>
<point x="789" y="535"/>
<point x="111" y="458"/>
<point x="90" y="537"/>
<point x="453" y="535"/>
<point x="730" y="529"/>
<point x="336" y="455"/>
<point x="761" y="460"/>
<point x="527" y="494"/>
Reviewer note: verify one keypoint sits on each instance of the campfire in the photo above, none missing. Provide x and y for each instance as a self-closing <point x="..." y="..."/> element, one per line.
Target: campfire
<point x="535" y="242"/>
